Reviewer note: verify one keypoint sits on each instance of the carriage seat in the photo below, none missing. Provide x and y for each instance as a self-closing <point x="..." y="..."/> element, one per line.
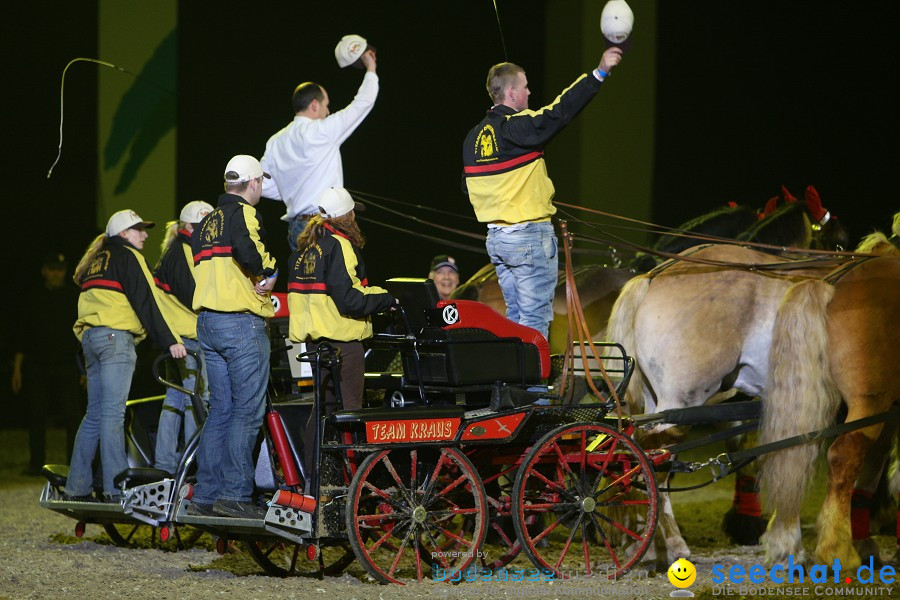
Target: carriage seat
<point x="56" y="474"/>
<point x="140" y="476"/>
<point x="469" y="343"/>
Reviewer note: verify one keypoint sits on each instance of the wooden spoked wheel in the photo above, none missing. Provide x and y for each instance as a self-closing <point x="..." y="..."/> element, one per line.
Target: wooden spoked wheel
<point x="416" y="512"/>
<point x="593" y="493"/>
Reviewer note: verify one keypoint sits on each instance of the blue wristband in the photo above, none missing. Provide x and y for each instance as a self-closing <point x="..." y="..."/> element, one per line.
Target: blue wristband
<point x="601" y="73"/>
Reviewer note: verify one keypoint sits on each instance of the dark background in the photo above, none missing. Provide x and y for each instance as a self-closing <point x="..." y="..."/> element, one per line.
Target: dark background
<point x="749" y="96"/>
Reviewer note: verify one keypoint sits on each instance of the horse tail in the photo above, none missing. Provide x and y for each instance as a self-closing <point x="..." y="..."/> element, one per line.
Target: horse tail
<point x="801" y="394"/>
<point x="621" y="329"/>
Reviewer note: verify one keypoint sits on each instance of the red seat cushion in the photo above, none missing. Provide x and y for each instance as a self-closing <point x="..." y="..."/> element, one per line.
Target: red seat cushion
<point x="472" y="314"/>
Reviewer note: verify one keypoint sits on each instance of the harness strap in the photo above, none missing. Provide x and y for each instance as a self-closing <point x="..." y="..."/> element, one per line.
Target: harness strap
<point x="813" y="436"/>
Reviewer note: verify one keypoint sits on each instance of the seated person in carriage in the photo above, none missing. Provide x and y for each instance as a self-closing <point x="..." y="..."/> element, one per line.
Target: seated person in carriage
<point x="330" y="299"/>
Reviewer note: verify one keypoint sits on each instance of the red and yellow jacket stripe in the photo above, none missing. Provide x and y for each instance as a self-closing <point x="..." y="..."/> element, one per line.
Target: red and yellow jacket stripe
<point x="230" y="256"/>
<point x="504" y="172"/>
<point x="328" y="293"/>
<point x="118" y="292"/>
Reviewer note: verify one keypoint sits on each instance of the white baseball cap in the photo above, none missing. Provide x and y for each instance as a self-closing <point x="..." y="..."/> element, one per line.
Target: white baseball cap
<point x="349" y="49"/>
<point x="337" y="202"/>
<point x="125" y="219"/>
<point x="193" y="212"/>
<point x="243" y="168"/>
<point x="616" y="21"/>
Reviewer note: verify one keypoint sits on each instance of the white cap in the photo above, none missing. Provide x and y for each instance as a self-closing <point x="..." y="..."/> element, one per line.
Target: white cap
<point x="193" y="212"/>
<point x="616" y="21"/>
<point x="337" y="202"/>
<point x="122" y="220"/>
<point x="244" y="168"/>
<point x="349" y="49"/>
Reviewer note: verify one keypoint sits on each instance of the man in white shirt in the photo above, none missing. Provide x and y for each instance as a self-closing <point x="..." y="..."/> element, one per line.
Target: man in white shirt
<point x="304" y="158"/>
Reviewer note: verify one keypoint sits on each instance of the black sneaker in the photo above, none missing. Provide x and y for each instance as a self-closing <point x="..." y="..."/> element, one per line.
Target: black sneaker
<point x="86" y="498"/>
<point x="239" y="510"/>
<point x="200" y="510"/>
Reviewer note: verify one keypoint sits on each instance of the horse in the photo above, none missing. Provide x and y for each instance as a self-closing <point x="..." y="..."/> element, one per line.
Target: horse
<point x="697" y="330"/>
<point x="834" y="340"/>
<point x="739" y="344"/>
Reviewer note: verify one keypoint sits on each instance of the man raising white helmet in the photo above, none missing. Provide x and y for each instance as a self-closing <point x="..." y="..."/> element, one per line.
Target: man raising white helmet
<point x="304" y="158"/>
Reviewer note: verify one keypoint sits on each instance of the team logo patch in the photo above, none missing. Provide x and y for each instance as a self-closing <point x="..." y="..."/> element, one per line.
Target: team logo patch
<point x="99" y="264"/>
<point x="486" y="147"/>
<point x="213" y="226"/>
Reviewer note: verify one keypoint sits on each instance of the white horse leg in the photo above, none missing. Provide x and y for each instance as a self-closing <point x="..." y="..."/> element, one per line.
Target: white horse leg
<point x="782" y="539"/>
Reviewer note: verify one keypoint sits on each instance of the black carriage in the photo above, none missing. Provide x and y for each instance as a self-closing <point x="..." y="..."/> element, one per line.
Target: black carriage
<point x="462" y="441"/>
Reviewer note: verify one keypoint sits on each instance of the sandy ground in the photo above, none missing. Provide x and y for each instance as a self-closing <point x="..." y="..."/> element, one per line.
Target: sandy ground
<point x="40" y="558"/>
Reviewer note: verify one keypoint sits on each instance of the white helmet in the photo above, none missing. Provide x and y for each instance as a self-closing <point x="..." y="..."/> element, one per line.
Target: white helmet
<point x="349" y="49"/>
<point x="616" y="21"/>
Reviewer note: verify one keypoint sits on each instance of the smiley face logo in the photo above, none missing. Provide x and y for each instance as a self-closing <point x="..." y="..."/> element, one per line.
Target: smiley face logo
<point x="682" y="573"/>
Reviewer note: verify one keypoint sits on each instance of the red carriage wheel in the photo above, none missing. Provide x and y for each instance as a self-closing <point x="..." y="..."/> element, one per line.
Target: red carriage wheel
<point x="79" y="529"/>
<point x="501" y="545"/>
<point x="164" y="532"/>
<point x="593" y="494"/>
<point x="406" y="506"/>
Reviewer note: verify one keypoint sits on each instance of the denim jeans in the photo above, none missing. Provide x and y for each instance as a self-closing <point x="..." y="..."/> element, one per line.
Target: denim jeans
<point x="236" y="348"/>
<point x="526" y="263"/>
<point x="177" y="408"/>
<point x="109" y="357"/>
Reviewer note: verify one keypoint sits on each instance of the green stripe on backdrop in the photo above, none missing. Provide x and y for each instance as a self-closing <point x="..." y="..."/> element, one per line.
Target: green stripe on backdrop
<point x="137" y="115"/>
<point x="604" y="159"/>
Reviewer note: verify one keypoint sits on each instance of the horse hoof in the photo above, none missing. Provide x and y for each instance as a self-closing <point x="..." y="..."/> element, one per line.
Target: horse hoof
<point x="868" y="548"/>
<point x="744" y="530"/>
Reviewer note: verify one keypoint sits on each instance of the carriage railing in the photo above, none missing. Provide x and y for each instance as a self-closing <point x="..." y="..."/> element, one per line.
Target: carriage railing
<point x="616" y="363"/>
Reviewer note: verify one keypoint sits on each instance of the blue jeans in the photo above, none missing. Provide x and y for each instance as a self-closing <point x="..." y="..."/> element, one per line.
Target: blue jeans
<point x="109" y="357"/>
<point x="236" y="348"/>
<point x="177" y="408"/>
<point x="526" y="263"/>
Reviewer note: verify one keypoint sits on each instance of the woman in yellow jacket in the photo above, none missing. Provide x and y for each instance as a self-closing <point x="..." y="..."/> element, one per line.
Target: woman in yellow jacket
<point x="117" y="308"/>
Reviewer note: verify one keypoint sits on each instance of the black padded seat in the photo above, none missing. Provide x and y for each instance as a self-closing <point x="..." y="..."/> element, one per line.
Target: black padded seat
<point x="140" y="476"/>
<point x="56" y="474"/>
<point x="393" y="414"/>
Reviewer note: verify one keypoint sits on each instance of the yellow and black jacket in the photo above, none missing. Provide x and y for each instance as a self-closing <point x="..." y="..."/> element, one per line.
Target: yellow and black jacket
<point x="504" y="172"/>
<point x="329" y="297"/>
<point x="174" y="279"/>
<point x="118" y="292"/>
<point x="230" y="256"/>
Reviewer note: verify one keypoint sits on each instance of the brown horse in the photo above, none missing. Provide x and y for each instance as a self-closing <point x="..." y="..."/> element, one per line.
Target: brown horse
<point x="833" y="339"/>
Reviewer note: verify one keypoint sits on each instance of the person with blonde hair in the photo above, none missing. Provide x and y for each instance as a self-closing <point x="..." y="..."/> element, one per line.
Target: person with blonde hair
<point x="174" y="277"/>
<point x="330" y="300"/>
<point x="117" y="308"/>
